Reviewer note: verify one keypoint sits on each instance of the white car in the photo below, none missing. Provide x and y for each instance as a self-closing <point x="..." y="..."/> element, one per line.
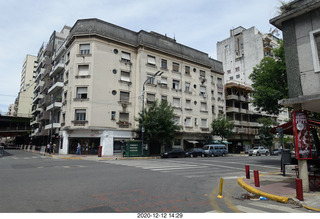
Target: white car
<point x="258" y="150"/>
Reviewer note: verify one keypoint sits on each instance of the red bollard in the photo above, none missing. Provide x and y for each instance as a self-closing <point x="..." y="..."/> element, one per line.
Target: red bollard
<point x="256" y="178"/>
<point x="247" y="172"/>
<point x="299" y="190"/>
<point x="99" y="151"/>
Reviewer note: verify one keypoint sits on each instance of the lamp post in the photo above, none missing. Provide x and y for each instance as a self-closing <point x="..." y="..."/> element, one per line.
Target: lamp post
<point x="158" y="73"/>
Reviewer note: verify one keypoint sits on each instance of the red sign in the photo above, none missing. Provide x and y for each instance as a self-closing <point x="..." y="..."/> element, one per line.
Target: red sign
<point x="301" y="135"/>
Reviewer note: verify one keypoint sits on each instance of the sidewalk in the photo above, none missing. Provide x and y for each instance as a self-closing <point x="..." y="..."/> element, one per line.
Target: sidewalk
<point x="276" y="187"/>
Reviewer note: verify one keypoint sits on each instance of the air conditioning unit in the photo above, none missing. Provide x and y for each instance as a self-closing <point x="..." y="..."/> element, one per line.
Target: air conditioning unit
<point x="159" y="82"/>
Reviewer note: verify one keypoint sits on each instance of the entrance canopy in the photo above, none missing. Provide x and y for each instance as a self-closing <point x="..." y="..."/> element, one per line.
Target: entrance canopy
<point x="287" y="127"/>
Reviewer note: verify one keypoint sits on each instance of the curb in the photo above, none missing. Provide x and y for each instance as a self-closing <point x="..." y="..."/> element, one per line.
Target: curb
<point x="258" y="192"/>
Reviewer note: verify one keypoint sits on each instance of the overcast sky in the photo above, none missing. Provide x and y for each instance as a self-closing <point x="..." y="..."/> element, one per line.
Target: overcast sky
<point x="199" y="24"/>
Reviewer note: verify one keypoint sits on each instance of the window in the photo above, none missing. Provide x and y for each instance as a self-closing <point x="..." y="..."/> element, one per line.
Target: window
<point x="83" y="70"/>
<point x="229" y="71"/>
<point x="202" y="74"/>
<point x="188" y="104"/>
<point x="176" y="102"/>
<point x="315" y="49"/>
<point x="124" y="117"/>
<point x="237" y="69"/>
<point x="164" y="98"/>
<point x="220" y="109"/>
<point x="175" y="67"/>
<point x="125" y="56"/>
<point x="80" y="115"/>
<point x="220" y="96"/>
<point x="151" y="98"/>
<point x="177" y="120"/>
<point x="113" y="115"/>
<point x="219" y="81"/>
<point x="231" y="78"/>
<point x="204" y="123"/>
<point x="195" y="121"/>
<point x="164" y="81"/>
<point x="187" y="87"/>
<point x="151" y="60"/>
<point x="82" y="92"/>
<point x="175" y="84"/>
<point x="237" y="76"/>
<point x="164" y="64"/>
<point x="150" y="79"/>
<point x="125" y="76"/>
<point x="188" y="121"/>
<point x="203" y="106"/>
<point x="84" y="49"/>
<point x="203" y="90"/>
<point x="187" y="69"/>
<point x="124" y="96"/>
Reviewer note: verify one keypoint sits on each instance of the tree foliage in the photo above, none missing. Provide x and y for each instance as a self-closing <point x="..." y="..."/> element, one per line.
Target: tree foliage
<point x="266" y="137"/>
<point x="159" y="123"/>
<point x="269" y="82"/>
<point x="222" y="126"/>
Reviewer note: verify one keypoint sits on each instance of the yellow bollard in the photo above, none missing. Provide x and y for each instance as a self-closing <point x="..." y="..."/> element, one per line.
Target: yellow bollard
<point x="220" y="189"/>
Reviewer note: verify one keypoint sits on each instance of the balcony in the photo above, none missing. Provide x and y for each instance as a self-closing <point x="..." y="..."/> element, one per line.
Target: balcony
<point x="232" y="110"/>
<point x="243" y="111"/>
<point x="38" y="86"/>
<point x="52" y="125"/>
<point x="36" y="109"/>
<point x="55" y="105"/>
<point x="232" y="97"/>
<point x="55" y="87"/>
<point x="38" y="97"/>
<point x="56" y="69"/>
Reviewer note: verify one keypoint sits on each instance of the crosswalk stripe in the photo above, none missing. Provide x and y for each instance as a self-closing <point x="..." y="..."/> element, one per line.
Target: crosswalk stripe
<point x="177" y="168"/>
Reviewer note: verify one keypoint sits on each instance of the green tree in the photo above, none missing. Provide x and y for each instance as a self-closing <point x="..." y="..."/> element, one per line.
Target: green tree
<point x="266" y="137"/>
<point x="222" y="126"/>
<point x="160" y="125"/>
<point x="269" y="82"/>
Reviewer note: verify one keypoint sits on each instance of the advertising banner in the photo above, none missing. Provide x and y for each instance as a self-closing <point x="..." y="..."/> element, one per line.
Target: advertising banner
<point x="301" y="135"/>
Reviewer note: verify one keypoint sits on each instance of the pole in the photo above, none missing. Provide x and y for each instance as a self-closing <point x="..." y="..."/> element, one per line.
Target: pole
<point x="256" y="178"/>
<point x="220" y="189"/>
<point x="247" y="172"/>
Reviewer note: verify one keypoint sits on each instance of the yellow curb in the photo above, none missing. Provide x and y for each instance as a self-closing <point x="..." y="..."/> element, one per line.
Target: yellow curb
<point x="310" y="208"/>
<point x="258" y="192"/>
<point x="72" y="158"/>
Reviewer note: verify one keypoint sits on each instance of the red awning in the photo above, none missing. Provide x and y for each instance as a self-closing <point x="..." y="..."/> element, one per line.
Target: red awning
<point x="287" y="127"/>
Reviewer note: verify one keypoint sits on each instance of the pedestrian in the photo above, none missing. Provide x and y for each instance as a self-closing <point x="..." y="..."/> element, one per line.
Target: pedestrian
<point x="54" y="148"/>
<point x="78" y="149"/>
<point x="49" y="148"/>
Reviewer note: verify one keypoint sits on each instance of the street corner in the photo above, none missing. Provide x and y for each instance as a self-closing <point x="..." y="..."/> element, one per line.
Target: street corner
<point x="253" y="190"/>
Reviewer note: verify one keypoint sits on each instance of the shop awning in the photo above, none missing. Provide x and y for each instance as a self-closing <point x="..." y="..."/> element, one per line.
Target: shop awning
<point x="287" y="127"/>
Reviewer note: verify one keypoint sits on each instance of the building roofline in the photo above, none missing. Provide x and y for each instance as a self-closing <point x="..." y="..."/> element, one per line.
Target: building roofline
<point x="298" y="7"/>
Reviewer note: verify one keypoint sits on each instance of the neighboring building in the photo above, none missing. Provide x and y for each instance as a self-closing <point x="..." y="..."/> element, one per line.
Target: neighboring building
<point x="23" y="104"/>
<point x="300" y="25"/>
<point x="45" y="108"/>
<point x="99" y="73"/>
<point x="240" y="53"/>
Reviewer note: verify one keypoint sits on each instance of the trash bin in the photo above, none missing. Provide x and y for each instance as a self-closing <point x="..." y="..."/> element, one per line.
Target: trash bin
<point x="285" y="159"/>
<point x="99" y="151"/>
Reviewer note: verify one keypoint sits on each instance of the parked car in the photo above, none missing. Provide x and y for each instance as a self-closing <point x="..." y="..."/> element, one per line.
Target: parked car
<point x="215" y="150"/>
<point x="174" y="152"/>
<point x="195" y="152"/>
<point x="275" y="152"/>
<point x="258" y="150"/>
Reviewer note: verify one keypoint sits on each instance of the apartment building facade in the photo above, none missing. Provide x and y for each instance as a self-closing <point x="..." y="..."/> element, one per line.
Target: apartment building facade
<point x="98" y="75"/>
<point x="23" y="103"/>
<point x="240" y="53"/>
<point x="46" y="100"/>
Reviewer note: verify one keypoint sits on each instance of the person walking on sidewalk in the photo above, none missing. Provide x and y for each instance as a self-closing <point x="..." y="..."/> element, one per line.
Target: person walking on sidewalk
<point x="49" y="148"/>
<point x="78" y="149"/>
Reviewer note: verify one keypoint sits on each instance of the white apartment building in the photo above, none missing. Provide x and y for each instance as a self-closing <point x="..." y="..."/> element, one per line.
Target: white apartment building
<point x="23" y="103"/>
<point x="102" y="76"/>
<point x="240" y="53"/>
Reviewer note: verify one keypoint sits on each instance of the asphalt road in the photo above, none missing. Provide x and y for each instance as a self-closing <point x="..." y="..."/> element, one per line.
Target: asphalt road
<point x="30" y="182"/>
